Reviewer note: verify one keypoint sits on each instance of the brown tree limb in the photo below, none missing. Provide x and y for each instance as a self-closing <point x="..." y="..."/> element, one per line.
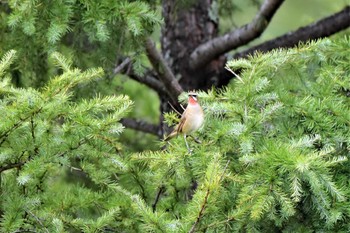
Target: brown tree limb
<point x="122" y="65"/>
<point x="322" y="28"/>
<point x="163" y="70"/>
<point x="149" y="80"/>
<point x="211" y="49"/>
<point x="143" y="126"/>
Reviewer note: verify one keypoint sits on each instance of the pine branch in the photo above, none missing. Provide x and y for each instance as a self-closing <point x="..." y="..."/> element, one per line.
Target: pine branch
<point x="32" y="128"/>
<point x="80" y="143"/>
<point x="206" y="52"/>
<point x="6" y="61"/>
<point x="205" y="201"/>
<point x="141" y="126"/>
<point x="6" y="133"/>
<point x="163" y="70"/>
<point x="200" y="214"/>
<point x="322" y="28"/>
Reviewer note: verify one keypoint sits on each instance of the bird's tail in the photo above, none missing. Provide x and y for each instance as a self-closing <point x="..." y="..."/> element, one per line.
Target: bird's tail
<point x="171" y="135"/>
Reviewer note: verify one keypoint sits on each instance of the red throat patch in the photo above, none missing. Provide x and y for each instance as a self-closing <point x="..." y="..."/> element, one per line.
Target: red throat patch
<point x="192" y="101"/>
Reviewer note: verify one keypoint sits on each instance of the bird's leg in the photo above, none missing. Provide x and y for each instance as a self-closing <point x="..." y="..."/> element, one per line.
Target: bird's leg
<point x="188" y="148"/>
<point x="196" y="139"/>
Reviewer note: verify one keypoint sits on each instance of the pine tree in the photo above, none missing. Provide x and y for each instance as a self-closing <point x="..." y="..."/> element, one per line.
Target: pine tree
<point x="275" y="149"/>
<point x="87" y="31"/>
<point x="46" y="138"/>
<point x="273" y="157"/>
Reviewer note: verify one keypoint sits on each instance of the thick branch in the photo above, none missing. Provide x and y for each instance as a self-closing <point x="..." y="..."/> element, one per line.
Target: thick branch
<point x="206" y="52"/>
<point x="322" y="28"/>
<point x="163" y="70"/>
<point x="141" y="126"/>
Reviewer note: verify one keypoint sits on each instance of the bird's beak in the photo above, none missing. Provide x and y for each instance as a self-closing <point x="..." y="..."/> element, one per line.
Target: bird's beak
<point x="195" y="98"/>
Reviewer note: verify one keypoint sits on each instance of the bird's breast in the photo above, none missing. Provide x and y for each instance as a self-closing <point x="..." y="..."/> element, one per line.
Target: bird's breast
<point x="194" y="119"/>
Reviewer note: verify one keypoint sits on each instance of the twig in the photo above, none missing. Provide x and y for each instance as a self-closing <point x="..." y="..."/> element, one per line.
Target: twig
<point x="80" y="143"/>
<point x="5" y="134"/>
<point x="38" y="220"/>
<point x="223" y="173"/>
<point x="75" y="169"/>
<point x="211" y="49"/>
<point x="175" y="108"/>
<point x="236" y="75"/>
<point x="322" y="28"/>
<point x="220" y="222"/>
<point x="160" y="191"/>
<point x="200" y="214"/>
<point x="163" y="70"/>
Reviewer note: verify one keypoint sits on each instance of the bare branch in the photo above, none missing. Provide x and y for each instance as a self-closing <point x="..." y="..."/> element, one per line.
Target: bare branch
<point x="211" y="49"/>
<point x="121" y="66"/>
<point x="149" y="80"/>
<point x="322" y="28"/>
<point x="163" y="70"/>
<point x="142" y="126"/>
<point x="11" y="165"/>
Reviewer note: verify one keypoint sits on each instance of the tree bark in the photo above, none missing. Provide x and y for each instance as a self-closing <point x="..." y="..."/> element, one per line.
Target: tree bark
<point x="185" y="29"/>
<point x="241" y="36"/>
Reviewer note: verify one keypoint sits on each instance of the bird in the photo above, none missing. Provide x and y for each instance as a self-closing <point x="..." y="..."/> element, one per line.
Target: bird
<point x="191" y="119"/>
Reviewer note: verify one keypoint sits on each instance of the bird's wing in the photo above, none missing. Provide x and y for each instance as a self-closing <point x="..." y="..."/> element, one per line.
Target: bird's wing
<point x="182" y="122"/>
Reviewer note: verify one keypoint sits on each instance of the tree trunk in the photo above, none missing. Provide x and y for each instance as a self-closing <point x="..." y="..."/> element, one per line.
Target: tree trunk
<point x="185" y="28"/>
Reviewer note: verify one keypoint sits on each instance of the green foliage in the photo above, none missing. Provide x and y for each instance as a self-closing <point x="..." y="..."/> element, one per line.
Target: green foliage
<point x="273" y="157"/>
<point x="45" y="137"/>
<point x="88" y="34"/>
<point x="96" y="32"/>
<point x="284" y="132"/>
